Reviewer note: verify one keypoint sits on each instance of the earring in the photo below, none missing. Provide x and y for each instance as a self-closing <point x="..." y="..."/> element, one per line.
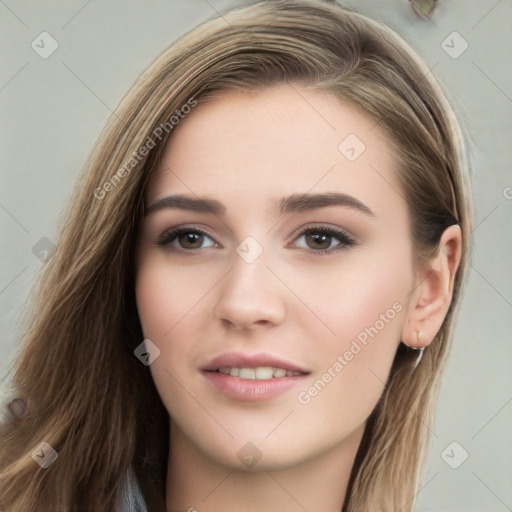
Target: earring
<point x="423" y="8"/>
<point x="421" y="349"/>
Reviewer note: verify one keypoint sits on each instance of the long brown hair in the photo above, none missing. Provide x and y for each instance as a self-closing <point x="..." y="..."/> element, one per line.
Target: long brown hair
<point x="83" y="390"/>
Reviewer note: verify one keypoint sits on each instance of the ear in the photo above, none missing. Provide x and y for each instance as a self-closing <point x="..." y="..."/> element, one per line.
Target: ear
<point x="429" y="301"/>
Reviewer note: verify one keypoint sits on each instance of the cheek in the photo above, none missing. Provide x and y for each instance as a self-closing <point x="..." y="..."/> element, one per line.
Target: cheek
<point x="363" y="291"/>
<point x="362" y="311"/>
<point x="166" y="294"/>
<point x="369" y="307"/>
<point x="172" y="310"/>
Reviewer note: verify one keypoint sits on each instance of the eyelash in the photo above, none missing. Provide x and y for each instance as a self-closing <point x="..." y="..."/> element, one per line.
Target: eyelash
<point x="341" y="235"/>
<point x="346" y="241"/>
<point x="165" y="239"/>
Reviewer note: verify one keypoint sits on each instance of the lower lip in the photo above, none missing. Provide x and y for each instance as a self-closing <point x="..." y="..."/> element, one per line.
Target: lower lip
<point x="251" y="390"/>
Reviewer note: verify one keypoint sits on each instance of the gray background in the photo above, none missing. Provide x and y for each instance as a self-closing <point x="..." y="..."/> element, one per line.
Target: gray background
<point x="52" y="111"/>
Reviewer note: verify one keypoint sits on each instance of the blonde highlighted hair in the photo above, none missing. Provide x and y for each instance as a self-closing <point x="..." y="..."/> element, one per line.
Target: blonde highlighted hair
<point x="85" y="392"/>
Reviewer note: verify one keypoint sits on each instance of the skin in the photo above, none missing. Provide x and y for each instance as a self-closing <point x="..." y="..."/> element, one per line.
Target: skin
<point x="247" y="151"/>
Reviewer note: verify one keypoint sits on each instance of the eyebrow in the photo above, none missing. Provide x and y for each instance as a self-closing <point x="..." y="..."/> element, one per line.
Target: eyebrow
<point x="183" y="202"/>
<point x="295" y="203"/>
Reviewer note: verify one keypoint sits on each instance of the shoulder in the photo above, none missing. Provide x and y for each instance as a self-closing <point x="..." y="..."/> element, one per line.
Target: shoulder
<point x="131" y="498"/>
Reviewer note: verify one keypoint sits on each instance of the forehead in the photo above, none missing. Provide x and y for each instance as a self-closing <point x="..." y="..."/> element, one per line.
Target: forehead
<point x="262" y="145"/>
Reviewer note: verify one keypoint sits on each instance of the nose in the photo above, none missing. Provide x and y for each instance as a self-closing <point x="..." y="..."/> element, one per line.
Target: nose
<point x="250" y="296"/>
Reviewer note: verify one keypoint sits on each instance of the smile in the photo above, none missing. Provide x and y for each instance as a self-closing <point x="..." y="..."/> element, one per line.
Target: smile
<point x="259" y="373"/>
<point x="252" y="377"/>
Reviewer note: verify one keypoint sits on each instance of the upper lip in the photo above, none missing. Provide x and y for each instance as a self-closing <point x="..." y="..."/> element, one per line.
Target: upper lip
<point x="241" y="360"/>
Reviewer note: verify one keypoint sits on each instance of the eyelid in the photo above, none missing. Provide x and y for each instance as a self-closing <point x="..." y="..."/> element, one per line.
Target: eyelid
<point x="162" y="240"/>
<point x="330" y="228"/>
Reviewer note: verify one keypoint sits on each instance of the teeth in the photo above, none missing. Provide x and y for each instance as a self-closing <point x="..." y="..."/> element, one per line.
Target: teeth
<point x="247" y="373"/>
<point x="259" y="373"/>
<point x="264" y="372"/>
<point x="279" y="372"/>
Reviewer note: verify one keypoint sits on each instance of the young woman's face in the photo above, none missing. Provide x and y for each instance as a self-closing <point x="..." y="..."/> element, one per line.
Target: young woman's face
<point x="274" y="267"/>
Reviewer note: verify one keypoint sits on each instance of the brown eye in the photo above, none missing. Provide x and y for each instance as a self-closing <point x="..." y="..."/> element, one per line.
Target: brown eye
<point x="185" y="239"/>
<point x="324" y="240"/>
<point x="318" y="241"/>
<point x="191" y="240"/>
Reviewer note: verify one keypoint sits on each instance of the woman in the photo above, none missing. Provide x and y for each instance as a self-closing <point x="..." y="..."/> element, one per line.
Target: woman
<point x="275" y="219"/>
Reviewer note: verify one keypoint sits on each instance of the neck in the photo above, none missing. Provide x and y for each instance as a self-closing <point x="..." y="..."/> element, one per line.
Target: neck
<point x="196" y="482"/>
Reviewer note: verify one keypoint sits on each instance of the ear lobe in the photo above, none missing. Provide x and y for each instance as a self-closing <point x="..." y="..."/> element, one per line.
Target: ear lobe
<point x="430" y="300"/>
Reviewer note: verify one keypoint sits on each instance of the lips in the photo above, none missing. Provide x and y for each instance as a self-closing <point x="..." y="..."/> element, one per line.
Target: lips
<point x="252" y="377"/>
